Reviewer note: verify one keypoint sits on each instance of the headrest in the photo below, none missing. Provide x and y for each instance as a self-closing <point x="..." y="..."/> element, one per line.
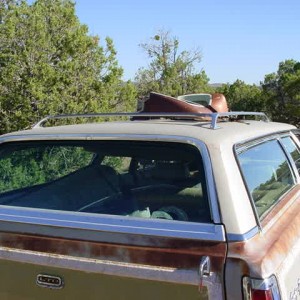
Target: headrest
<point x="170" y="171"/>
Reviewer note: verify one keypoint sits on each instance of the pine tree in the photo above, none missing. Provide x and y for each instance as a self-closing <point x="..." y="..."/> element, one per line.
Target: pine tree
<point x="49" y="64"/>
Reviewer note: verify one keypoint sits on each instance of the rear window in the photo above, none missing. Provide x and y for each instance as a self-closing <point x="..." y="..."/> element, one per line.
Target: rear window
<point x="267" y="173"/>
<point x="132" y="179"/>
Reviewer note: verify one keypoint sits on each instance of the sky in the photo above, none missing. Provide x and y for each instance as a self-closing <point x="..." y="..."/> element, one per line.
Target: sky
<point x="238" y="39"/>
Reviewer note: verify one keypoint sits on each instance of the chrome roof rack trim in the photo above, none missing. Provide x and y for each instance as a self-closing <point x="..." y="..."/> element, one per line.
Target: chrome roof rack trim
<point x="214" y="116"/>
<point x="134" y="114"/>
<point x="217" y="115"/>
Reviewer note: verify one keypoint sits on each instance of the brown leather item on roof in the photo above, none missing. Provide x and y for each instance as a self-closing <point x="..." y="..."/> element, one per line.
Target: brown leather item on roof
<point x="219" y="103"/>
<point x="163" y="103"/>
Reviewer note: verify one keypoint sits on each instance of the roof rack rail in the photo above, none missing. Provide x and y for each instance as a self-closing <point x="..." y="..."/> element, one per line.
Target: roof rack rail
<point x="213" y="124"/>
<point x="236" y="114"/>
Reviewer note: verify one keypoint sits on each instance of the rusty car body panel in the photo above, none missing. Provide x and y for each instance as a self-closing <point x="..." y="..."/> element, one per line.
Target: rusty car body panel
<point x="272" y="250"/>
<point x="170" y="272"/>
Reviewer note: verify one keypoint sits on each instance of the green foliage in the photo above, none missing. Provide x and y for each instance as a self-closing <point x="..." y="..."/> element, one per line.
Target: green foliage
<point x="50" y="65"/>
<point x="243" y="97"/>
<point x="282" y="92"/>
<point x="32" y="166"/>
<point x="278" y="95"/>
<point x="170" y="72"/>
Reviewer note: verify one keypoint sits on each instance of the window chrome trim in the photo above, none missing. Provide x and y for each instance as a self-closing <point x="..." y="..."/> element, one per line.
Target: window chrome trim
<point x="120" y="224"/>
<point x="290" y="158"/>
<point x="295" y="138"/>
<point x="86" y="226"/>
<point x="246" y="144"/>
<point x="233" y="237"/>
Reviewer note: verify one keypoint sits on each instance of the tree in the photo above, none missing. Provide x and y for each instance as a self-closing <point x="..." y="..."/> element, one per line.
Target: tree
<point x="50" y="65"/>
<point x="243" y="97"/>
<point x="170" y="71"/>
<point x="282" y="91"/>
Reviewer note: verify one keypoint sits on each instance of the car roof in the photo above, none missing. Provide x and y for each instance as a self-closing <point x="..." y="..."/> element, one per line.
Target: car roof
<point x="226" y="132"/>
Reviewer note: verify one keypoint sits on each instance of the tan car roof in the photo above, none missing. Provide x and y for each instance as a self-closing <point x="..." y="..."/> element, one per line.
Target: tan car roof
<point x="229" y="132"/>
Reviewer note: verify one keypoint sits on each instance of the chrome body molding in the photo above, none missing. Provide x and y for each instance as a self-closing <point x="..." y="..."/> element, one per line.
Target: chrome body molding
<point x="294" y="294"/>
<point x="262" y="285"/>
<point x="93" y="227"/>
<point x="232" y="237"/>
<point x="114" y="268"/>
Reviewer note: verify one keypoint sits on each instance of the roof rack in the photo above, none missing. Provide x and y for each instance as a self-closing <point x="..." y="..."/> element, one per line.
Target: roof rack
<point x="194" y="116"/>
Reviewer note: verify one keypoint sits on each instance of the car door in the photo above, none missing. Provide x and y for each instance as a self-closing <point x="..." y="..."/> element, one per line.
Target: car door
<point x="52" y="249"/>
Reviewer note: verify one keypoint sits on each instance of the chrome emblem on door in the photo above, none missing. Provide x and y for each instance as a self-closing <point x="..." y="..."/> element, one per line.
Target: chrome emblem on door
<point x="49" y="281"/>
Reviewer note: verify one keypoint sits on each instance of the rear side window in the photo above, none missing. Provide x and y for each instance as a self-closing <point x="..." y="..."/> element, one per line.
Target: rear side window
<point x="267" y="173"/>
<point x="293" y="150"/>
<point x="156" y="180"/>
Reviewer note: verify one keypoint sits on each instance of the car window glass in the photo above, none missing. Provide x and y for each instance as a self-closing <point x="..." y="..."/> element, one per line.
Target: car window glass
<point x="267" y="174"/>
<point x="294" y="151"/>
<point x="22" y="167"/>
<point x="126" y="178"/>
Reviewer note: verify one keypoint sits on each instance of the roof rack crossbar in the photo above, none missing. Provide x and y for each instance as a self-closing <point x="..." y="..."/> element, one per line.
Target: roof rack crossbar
<point x="213" y="124"/>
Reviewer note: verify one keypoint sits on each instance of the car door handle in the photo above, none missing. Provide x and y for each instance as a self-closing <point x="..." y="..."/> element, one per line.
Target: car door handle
<point x="204" y="270"/>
